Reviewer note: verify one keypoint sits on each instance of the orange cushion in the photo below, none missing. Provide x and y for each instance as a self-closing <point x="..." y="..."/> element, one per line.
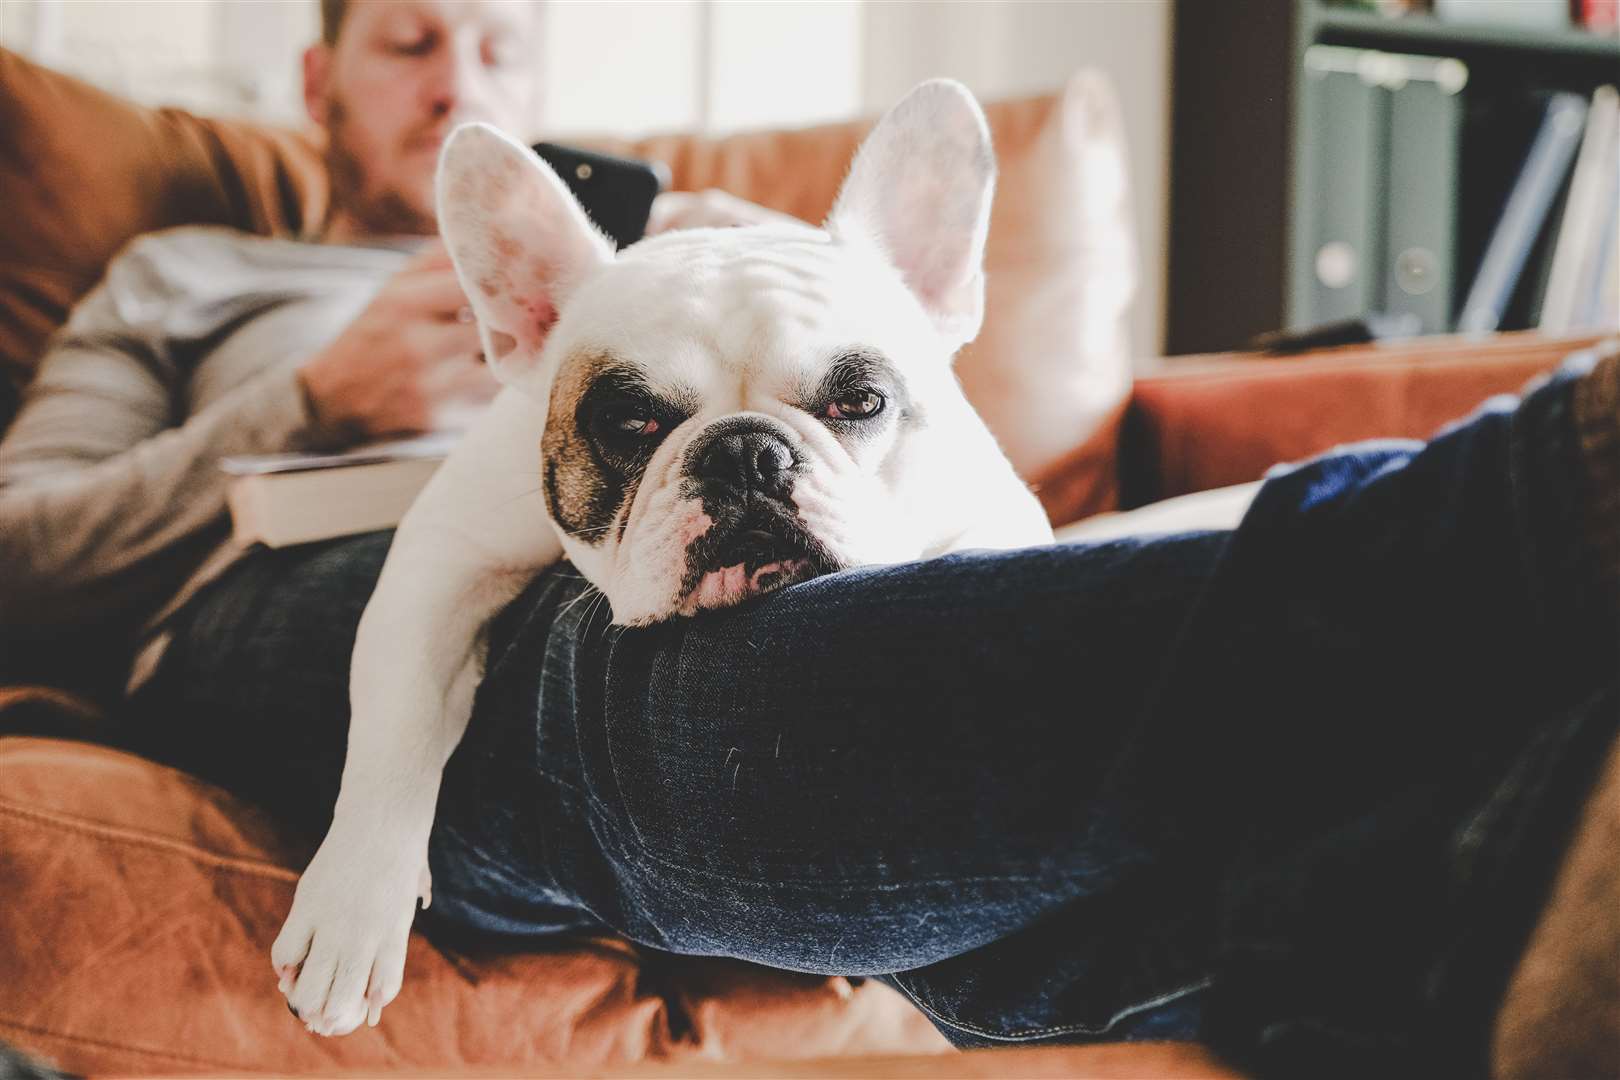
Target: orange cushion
<point x="1209" y="422"/>
<point x="82" y="172"/>
<point x="135" y="935"/>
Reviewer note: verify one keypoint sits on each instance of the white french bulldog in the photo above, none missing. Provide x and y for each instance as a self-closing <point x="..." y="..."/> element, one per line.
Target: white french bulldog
<point x="701" y="418"/>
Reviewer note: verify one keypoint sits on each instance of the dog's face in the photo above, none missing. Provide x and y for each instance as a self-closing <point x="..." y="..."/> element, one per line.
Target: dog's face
<point x="732" y="410"/>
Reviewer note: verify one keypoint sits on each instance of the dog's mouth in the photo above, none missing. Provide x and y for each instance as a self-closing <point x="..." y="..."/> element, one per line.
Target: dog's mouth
<point x="751" y="553"/>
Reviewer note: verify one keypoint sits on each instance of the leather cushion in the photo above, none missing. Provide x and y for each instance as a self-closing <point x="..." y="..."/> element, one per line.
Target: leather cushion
<point x="1217" y="421"/>
<point x="82" y="172"/>
<point x="140" y="906"/>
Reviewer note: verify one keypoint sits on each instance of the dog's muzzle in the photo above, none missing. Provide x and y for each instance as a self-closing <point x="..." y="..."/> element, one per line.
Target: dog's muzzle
<point x="743" y="473"/>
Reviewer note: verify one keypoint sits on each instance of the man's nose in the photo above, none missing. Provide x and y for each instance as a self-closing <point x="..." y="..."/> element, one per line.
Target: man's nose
<point x="739" y="462"/>
<point x="454" y="80"/>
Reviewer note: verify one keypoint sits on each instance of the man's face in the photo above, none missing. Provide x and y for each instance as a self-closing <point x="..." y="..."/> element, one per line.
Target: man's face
<point x="401" y="75"/>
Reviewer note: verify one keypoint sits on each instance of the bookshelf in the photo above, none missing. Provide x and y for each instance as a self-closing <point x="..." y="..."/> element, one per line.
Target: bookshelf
<point x="1246" y="172"/>
<point x="1427" y="34"/>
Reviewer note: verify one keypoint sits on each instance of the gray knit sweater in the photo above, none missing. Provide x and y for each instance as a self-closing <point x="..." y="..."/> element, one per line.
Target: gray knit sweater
<point x="112" y="503"/>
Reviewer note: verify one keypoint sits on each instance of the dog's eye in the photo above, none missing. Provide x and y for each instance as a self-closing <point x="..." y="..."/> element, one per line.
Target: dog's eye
<point x="634" y="425"/>
<point x="855" y="405"/>
<point x="626" y="420"/>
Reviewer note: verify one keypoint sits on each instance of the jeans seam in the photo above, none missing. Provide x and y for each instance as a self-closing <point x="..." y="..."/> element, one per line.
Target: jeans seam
<point x="1027" y="1034"/>
<point x="644" y="859"/>
<point x="647" y="858"/>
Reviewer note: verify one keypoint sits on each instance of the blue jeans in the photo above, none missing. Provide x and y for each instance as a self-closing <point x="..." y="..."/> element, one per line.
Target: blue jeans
<point x="1296" y="790"/>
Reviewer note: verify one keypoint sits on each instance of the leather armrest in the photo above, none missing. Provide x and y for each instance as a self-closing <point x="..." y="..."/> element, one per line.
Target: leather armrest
<point x="1213" y="421"/>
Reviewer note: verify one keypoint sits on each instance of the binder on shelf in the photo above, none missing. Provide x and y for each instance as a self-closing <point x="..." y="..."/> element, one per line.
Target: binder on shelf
<point x="1420" y="220"/>
<point x="1344" y="169"/>
<point x="1525" y="212"/>
<point x="1380" y="169"/>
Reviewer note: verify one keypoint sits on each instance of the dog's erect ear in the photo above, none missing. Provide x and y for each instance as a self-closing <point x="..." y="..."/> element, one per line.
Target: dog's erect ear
<point x="921" y="186"/>
<point x="518" y="237"/>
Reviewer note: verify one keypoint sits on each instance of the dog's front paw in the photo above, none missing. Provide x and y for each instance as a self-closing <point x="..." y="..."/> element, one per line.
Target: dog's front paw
<point x="340" y="958"/>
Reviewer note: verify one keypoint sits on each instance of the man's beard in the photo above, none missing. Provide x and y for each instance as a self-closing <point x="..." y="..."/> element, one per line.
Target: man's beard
<point x="377" y="213"/>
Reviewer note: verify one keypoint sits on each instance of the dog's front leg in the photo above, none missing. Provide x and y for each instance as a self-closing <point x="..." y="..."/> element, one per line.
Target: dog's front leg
<point x="471" y="542"/>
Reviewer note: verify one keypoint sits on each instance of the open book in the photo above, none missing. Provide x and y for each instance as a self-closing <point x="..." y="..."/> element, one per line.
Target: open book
<point x="282" y="499"/>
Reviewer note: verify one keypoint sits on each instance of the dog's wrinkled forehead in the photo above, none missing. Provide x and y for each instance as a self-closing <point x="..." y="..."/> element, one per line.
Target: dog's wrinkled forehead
<point x="714" y="305"/>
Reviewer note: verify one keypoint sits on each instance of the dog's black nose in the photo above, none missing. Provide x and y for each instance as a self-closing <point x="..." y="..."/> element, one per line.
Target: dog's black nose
<point x="746" y="460"/>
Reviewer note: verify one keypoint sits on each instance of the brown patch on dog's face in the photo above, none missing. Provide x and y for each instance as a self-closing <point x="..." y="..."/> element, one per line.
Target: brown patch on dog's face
<point x="578" y="493"/>
<point x="594" y="456"/>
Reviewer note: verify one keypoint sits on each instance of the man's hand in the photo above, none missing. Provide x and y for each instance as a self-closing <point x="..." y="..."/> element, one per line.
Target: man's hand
<point x="709" y="209"/>
<point x="408" y="362"/>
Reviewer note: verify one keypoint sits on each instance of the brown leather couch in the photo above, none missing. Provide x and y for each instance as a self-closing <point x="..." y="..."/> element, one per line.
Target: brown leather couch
<point x="139" y="904"/>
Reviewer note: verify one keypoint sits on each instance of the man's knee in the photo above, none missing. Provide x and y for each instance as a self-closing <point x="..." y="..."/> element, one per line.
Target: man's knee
<point x="1560" y="1016"/>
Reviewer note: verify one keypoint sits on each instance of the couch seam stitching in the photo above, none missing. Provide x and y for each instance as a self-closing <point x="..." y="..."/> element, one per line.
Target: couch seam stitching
<point x="110" y="834"/>
<point x="109" y="1044"/>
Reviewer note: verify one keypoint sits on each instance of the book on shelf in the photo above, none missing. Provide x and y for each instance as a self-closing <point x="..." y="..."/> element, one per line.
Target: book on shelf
<point x="1586" y="232"/>
<point x="282" y="499"/>
<point x="1518" y="228"/>
<point x="1608" y="308"/>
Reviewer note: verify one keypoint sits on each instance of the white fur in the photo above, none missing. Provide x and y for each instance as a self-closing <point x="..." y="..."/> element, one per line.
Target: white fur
<point x="741" y="317"/>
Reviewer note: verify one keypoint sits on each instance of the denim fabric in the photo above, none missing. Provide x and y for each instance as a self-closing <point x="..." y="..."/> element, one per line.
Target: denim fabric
<point x="1296" y="789"/>
<point x="870" y="773"/>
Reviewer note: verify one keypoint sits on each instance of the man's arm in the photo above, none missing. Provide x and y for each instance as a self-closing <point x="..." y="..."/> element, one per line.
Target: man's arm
<point x="110" y="497"/>
<point x="105" y="505"/>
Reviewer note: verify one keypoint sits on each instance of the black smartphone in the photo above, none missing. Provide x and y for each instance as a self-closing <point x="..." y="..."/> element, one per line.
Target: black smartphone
<point x="616" y="192"/>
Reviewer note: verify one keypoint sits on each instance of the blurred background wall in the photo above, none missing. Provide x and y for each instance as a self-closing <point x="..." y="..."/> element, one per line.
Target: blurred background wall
<point x="635" y="66"/>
